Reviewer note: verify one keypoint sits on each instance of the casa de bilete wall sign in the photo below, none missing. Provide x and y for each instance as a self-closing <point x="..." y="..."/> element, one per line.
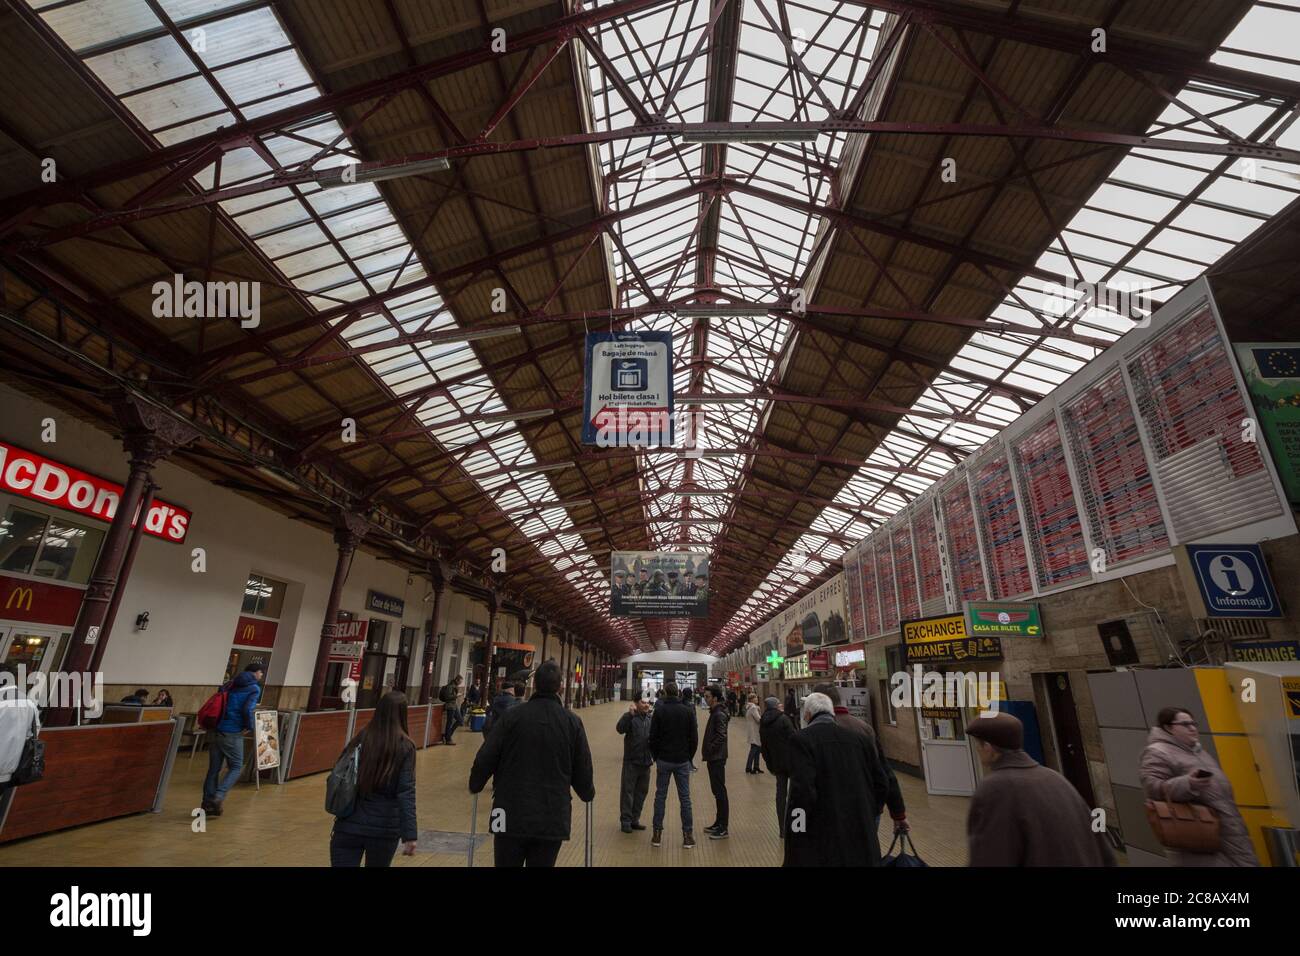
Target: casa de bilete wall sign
<point x="29" y="475"/>
<point x="384" y="603"/>
<point x="1003" y="619"/>
<point x="659" y="584"/>
<point x="627" y="395"/>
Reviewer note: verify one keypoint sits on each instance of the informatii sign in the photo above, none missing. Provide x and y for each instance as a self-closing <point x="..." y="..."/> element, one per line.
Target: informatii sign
<point x="1004" y="619"/>
<point x="944" y="640"/>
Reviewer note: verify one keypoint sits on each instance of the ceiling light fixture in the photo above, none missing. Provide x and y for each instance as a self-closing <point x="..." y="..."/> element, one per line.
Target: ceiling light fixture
<point x="351" y="174"/>
<point x="751" y="133"/>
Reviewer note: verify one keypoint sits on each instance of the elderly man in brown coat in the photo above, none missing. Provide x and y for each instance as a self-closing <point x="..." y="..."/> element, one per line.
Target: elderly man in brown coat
<point x="1176" y="768"/>
<point x="1025" y="814"/>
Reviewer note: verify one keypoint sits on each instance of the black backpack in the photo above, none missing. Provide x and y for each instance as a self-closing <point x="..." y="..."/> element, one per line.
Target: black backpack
<point x="341" y="787"/>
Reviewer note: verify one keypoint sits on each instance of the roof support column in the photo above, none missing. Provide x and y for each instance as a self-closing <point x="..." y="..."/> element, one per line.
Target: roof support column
<point x="440" y="574"/>
<point x="349" y="531"/>
<point x="149" y="436"/>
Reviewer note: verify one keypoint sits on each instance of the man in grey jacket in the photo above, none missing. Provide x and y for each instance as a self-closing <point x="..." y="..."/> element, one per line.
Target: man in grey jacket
<point x="635" y="728"/>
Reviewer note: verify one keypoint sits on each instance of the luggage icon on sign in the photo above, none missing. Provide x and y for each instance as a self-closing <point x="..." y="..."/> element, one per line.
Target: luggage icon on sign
<point x="629" y="375"/>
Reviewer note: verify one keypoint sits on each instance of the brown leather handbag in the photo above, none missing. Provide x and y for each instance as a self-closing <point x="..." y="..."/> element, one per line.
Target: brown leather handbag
<point x="1185" y="826"/>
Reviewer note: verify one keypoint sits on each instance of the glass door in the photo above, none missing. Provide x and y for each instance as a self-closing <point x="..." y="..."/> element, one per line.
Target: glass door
<point x="33" y="647"/>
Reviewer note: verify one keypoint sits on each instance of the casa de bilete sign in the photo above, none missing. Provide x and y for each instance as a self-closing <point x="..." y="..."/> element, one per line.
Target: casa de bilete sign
<point x="29" y="475"/>
<point x="627" y="395"/>
<point x="384" y="603"/>
<point x="1003" y="619"/>
<point x="659" y="584"/>
<point x="945" y="639"/>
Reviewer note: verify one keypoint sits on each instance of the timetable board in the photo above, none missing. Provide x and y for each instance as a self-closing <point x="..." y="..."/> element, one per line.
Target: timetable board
<point x="909" y="603"/>
<point x="853" y="592"/>
<point x="1055" y="529"/>
<point x="1000" y="521"/>
<point x="1119" y="497"/>
<point x="888" y="587"/>
<point x="870" y="589"/>
<point x="1192" y="408"/>
<point x="927" y="554"/>
<point x="963" y="542"/>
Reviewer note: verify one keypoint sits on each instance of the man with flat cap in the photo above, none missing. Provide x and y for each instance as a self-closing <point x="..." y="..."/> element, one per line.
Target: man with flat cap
<point x="1025" y="814"/>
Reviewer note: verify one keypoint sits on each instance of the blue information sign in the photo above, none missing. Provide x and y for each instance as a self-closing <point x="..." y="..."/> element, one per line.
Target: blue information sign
<point x="1233" y="580"/>
<point x="628" y="390"/>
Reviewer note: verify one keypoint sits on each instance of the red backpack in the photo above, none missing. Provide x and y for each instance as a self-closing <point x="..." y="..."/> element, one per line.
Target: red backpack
<point x="213" y="709"/>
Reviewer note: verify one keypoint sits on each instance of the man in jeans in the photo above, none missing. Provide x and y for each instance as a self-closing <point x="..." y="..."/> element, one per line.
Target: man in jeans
<point x="227" y="743"/>
<point x="450" y="712"/>
<point x="714" y="753"/>
<point x="673" y="740"/>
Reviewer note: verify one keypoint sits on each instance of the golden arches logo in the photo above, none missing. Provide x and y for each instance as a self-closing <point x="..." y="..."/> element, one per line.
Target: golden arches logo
<point x="248" y="632"/>
<point x="21" y="598"/>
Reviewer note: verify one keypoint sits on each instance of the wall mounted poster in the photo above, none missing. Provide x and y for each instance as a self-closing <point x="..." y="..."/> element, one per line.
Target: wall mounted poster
<point x="659" y="584"/>
<point x="1272" y="374"/>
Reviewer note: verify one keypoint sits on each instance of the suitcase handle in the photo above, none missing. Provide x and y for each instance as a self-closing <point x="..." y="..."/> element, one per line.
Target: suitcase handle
<point x="588" y="855"/>
<point x="473" y="828"/>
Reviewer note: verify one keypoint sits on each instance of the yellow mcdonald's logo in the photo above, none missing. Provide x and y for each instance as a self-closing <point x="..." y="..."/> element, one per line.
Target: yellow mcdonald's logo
<point x="18" y="596"/>
<point x="247" y="635"/>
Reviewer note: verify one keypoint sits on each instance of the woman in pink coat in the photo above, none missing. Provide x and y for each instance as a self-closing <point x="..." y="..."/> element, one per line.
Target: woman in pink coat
<point x="1170" y="763"/>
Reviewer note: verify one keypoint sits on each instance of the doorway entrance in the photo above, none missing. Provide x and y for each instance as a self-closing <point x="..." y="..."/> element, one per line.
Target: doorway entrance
<point x="34" y="647"/>
<point x="1069" y="738"/>
<point x="946" y="756"/>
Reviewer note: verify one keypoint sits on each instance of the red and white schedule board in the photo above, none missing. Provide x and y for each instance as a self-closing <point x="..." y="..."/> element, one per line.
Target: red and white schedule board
<point x="909" y="603"/>
<point x="1189" y="401"/>
<point x="853" y="593"/>
<point x="1055" y="529"/>
<point x="963" y="541"/>
<point x="870" y="590"/>
<point x="1000" y="521"/>
<point x="888" y="589"/>
<point x="928" y="562"/>
<point x="1119" y="497"/>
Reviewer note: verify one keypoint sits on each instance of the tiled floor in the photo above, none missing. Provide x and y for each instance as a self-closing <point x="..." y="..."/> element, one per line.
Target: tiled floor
<point x="288" y="826"/>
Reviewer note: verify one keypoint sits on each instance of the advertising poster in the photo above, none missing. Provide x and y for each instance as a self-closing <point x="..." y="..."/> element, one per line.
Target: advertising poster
<point x="659" y="584"/>
<point x="944" y="639"/>
<point x="818" y="620"/>
<point x="1271" y="371"/>
<point x="627" y="398"/>
<point x="266" y="738"/>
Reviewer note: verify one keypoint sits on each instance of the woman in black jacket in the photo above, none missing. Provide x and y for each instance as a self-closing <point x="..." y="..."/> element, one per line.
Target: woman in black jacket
<point x="385" y="809"/>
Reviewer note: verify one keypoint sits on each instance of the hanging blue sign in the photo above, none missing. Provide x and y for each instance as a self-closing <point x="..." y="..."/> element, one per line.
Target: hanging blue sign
<point x="1233" y="580"/>
<point x="627" y="395"/>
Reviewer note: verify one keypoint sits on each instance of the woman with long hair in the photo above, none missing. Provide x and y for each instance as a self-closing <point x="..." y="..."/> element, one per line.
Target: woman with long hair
<point x="384" y="813"/>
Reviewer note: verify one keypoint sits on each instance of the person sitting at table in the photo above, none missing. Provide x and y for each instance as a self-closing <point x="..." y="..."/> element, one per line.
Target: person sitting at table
<point x="164" y="699"/>
<point x="139" y="698"/>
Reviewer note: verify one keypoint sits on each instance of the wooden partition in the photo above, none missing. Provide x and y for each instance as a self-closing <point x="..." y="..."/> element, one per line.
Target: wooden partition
<point x="416" y="719"/>
<point x="93" y="773"/>
<point x="435" y="724"/>
<point x="319" y="740"/>
<point x="362" y="720"/>
<point x="133" y="714"/>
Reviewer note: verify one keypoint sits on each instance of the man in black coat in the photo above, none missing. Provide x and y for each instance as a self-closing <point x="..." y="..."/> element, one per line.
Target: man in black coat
<point x="674" y="737"/>
<point x="509" y="696"/>
<point x="836" y="784"/>
<point x="714" y="753"/>
<point x="635" y="728"/>
<point x="775" y="731"/>
<point x="536" y="753"/>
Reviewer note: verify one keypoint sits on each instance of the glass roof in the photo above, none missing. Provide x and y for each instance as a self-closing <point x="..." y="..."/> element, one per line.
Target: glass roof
<point x="1158" y="221"/>
<point x="209" y="63"/>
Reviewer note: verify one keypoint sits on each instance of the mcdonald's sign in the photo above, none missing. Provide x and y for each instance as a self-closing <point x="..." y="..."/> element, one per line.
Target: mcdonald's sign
<point x="38" y="602"/>
<point x="251" y="632"/>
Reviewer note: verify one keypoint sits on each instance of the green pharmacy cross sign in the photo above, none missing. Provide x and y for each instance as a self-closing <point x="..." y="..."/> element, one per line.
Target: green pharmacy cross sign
<point x="775" y="659"/>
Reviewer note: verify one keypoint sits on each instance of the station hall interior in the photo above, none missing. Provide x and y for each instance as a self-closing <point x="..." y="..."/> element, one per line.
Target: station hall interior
<point x="944" y="354"/>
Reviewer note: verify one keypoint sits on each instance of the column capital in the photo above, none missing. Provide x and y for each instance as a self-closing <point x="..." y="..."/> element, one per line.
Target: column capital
<point x="349" y="530"/>
<point x="149" y="433"/>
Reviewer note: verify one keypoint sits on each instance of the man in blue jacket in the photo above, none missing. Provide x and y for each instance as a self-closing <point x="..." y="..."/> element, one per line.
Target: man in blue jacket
<point x="227" y="743"/>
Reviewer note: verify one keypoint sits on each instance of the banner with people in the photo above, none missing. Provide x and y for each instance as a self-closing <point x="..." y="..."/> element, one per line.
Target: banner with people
<point x="659" y="584"/>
